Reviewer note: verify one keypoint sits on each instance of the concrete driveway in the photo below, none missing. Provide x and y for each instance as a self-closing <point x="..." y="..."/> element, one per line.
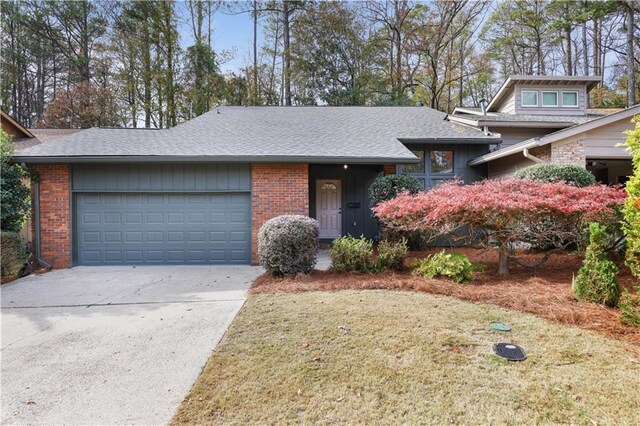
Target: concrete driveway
<point x="112" y="345"/>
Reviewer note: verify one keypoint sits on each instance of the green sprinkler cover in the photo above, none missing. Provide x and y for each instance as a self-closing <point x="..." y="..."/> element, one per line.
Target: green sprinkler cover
<point x="499" y="326"/>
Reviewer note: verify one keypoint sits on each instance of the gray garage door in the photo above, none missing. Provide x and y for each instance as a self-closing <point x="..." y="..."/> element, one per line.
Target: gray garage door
<point x="173" y="227"/>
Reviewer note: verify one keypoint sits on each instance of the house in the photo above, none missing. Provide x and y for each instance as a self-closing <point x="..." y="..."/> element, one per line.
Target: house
<point x="547" y="119"/>
<point x="22" y="138"/>
<point x="13" y="128"/>
<point x="198" y="193"/>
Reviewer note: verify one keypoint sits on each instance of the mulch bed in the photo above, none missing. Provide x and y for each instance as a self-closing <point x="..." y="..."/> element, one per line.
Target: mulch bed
<point x="545" y="291"/>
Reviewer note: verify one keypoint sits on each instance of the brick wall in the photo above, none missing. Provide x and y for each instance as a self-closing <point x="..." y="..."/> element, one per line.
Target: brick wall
<point x="55" y="213"/>
<point x="569" y="153"/>
<point x="389" y="169"/>
<point x="276" y="189"/>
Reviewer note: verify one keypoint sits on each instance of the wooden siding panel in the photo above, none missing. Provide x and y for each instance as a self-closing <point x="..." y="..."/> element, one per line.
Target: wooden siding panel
<point x="559" y="110"/>
<point x="161" y="177"/>
<point x="507" y="166"/>
<point x="513" y="135"/>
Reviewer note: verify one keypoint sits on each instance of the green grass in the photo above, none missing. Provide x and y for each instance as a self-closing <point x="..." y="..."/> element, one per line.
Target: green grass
<point x="395" y="357"/>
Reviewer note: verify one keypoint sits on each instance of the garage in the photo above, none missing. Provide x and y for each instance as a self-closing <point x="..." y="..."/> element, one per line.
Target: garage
<point x="161" y="214"/>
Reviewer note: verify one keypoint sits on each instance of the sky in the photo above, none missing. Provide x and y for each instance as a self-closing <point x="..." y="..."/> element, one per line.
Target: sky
<point x="230" y="32"/>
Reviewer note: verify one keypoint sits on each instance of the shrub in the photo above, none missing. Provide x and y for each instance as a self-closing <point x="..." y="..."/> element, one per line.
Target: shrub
<point x="503" y="212"/>
<point x="388" y="187"/>
<point x="549" y="172"/>
<point x="13" y="254"/>
<point x="596" y="279"/>
<point x="630" y="308"/>
<point x="391" y="255"/>
<point x="288" y="245"/>
<point x="15" y="199"/>
<point x="351" y="254"/>
<point x="456" y="266"/>
<point x="631" y="209"/>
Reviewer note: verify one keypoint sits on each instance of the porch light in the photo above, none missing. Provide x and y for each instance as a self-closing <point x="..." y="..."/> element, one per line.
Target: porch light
<point x="346" y="166"/>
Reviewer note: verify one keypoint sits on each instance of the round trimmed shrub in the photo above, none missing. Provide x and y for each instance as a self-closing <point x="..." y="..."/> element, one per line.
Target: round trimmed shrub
<point x="549" y="172"/>
<point x="288" y="245"/>
<point x="13" y="256"/>
<point x="388" y="187"/>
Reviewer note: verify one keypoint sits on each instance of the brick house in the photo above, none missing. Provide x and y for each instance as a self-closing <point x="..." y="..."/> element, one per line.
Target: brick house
<point x="198" y="193"/>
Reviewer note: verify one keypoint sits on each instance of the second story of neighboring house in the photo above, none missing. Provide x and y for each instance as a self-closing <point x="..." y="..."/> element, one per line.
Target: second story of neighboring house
<point x="528" y="106"/>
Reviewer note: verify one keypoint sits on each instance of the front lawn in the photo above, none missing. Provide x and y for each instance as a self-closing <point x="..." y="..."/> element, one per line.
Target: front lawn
<point x="387" y="357"/>
<point x="545" y="291"/>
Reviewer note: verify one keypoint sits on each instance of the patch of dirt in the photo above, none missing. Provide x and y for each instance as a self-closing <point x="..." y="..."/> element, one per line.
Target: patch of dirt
<point x="545" y="291"/>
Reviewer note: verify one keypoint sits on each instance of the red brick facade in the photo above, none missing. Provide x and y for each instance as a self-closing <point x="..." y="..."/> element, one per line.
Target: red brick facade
<point x="55" y="213"/>
<point x="276" y="189"/>
<point x="389" y="169"/>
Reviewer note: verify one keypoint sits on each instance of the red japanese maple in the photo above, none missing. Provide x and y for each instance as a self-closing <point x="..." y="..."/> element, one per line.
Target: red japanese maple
<point x="504" y="211"/>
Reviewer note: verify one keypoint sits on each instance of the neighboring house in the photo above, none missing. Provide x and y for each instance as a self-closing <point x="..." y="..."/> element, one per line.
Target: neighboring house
<point x="199" y="192"/>
<point x="22" y="138"/>
<point x="13" y="128"/>
<point x="547" y="119"/>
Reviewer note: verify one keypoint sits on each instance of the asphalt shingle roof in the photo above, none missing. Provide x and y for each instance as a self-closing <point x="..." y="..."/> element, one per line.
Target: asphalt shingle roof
<point x="268" y="133"/>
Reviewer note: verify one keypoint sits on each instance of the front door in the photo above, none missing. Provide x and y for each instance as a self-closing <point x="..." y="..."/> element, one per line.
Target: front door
<point x="329" y="208"/>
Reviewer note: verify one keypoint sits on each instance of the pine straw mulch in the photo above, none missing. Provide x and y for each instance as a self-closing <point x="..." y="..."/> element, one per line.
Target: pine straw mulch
<point x="545" y="291"/>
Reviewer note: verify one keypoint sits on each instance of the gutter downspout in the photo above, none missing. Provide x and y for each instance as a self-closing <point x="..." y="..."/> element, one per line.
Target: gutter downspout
<point x="527" y="155"/>
<point x="36" y="219"/>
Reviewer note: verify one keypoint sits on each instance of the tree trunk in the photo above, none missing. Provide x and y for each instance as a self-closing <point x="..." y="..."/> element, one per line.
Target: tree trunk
<point x="631" y="77"/>
<point x="503" y="260"/>
<point x="254" y="91"/>
<point x="146" y="65"/>
<point x="585" y="45"/>
<point x="287" y="54"/>
<point x="168" y="36"/>
<point x="569" y="61"/>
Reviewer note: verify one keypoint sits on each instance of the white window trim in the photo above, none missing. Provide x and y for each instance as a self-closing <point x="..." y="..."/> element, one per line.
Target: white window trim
<point x="577" y="99"/>
<point x="522" y="98"/>
<point x="557" y="99"/>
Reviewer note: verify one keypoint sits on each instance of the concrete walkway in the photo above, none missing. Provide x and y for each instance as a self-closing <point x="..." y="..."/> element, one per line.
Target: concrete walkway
<point x="112" y="345"/>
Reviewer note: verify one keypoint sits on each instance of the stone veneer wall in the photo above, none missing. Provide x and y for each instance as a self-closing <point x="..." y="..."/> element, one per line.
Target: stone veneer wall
<point x="569" y="153"/>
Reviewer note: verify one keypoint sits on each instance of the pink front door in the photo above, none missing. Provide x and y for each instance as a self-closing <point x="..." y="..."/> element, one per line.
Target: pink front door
<point x="329" y="208"/>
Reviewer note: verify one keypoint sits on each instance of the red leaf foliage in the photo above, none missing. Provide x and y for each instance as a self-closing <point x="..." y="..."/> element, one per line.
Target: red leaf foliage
<point x="504" y="206"/>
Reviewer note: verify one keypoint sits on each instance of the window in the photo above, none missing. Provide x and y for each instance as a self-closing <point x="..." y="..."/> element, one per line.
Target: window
<point x="441" y="162"/>
<point x="529" y="98"/>
<point x="569" y="99"/>
<point x="328" y="187"/>
<point x="415" y="168"/>
<point x="549" y="99"/>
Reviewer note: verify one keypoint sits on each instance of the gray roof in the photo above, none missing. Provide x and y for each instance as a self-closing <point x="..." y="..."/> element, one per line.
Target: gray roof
<point x="42" y="136"/>
<point x="263" y="134"/>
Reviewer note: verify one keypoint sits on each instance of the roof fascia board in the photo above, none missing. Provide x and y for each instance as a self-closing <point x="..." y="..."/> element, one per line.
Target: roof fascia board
<point x="16" y="124"/>
<point x="542" y="124"/>
<point x="557" y="136"/>
<point x="590" y="125"/>
<point x="505" y="152"/>
<point x="475" y="141"/>
<point x="212" y="159"/>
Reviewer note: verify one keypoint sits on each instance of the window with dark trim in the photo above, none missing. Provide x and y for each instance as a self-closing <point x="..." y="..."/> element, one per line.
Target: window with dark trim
<point x="436" y="167"/>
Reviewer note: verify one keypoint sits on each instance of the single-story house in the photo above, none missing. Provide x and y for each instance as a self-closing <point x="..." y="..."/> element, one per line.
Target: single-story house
<point x="199" y="192"/>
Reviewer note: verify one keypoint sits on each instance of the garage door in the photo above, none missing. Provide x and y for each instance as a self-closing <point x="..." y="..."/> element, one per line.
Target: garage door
<point x="173" y="227"/>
